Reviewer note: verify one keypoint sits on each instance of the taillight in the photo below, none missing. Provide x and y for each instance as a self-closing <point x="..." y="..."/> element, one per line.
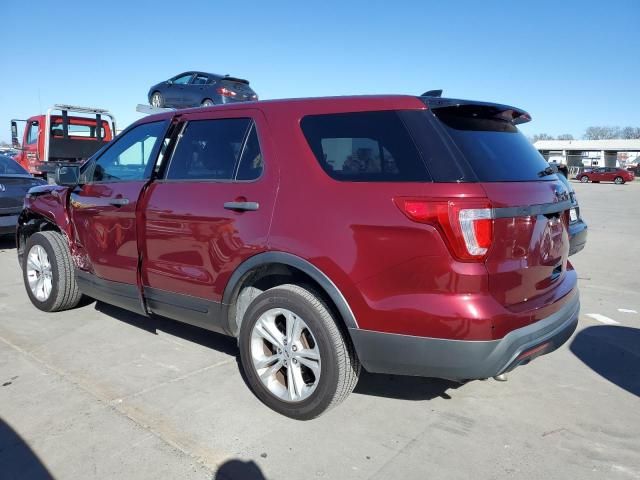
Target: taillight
<point x="467" y="224"/>
<point x="225" y="92"/>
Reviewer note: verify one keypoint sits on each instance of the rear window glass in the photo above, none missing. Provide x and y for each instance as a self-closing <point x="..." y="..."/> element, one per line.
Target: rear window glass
<point x="364" y="147"/>
<point x="494" y="148"/>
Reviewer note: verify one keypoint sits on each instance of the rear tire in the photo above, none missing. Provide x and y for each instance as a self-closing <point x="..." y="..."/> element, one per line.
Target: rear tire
<point x="157" y="100"/>
<point x="296" y="358"/>
<point x="618" y="180"/>
<point x="207" y="102"/>
<point x="48" y="273"/>
<point x="584" y="179"/>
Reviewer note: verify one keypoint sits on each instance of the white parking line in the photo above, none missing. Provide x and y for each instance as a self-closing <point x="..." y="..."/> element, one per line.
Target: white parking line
<point x="627" y="310"/>
<point x="603" y="319"/>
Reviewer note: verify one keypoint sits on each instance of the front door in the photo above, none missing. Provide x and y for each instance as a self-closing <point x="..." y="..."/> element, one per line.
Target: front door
<point x="175" y="91"/>
<point x="210" y="212"/>
<point x="104" y="210"/>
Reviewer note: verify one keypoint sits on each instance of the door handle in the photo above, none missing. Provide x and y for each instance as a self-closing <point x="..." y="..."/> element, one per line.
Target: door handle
<point x="119" y="202"/>
<point x="242" y="206"/>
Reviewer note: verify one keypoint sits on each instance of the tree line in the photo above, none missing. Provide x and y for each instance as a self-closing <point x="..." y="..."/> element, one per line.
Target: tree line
<point x="595" y="133"/>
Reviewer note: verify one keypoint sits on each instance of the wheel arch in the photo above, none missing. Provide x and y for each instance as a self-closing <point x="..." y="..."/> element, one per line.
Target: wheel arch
<point x="273" y="265"/>
<point x="30" y="222"/>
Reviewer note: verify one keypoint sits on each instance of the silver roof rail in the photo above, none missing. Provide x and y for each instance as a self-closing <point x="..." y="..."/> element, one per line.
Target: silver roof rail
<point x="150" y="110"/>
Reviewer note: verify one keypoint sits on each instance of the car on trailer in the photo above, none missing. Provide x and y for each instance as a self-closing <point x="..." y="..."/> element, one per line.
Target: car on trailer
<point x="65" y="134"/>
<point x="200" y="89"/>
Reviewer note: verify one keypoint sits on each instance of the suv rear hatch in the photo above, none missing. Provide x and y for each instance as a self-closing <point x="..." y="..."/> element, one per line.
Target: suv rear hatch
<point x="236" y="89"/>
<point x="529" y="204"/>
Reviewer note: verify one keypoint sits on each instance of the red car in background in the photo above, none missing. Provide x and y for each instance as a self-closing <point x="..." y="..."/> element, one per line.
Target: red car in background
<point x="606" y="174"/>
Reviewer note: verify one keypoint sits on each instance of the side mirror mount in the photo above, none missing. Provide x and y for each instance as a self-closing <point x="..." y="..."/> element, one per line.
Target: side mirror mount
<point x="68" y="175"/>
<point x="169" y="82"/>
<point x="15" y="143"/>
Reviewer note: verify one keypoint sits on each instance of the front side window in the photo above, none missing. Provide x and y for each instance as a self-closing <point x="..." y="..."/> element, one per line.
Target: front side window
<point x="129" y="157"/>
<point x="208" y="149"/>
<point x="364" y="147"/>
<point x="182" y="80"/>
<point x="32" y="136"/>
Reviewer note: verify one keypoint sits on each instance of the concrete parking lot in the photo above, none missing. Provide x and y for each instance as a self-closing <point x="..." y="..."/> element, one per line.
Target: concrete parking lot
<point x="98" y="392"/>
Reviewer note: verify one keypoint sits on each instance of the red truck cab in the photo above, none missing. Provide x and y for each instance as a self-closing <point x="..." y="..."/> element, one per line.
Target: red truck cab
<point x="59" y="138"/>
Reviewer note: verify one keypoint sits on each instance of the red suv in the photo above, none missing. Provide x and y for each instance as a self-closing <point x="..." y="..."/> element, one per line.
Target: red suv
<point x="607" y="174"/>
<point x="410" y="235"/>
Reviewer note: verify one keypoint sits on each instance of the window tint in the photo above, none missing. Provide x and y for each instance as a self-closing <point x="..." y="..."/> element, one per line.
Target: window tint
<point x="32" y="136"/>
<point x="129" y="156"/>
<point x="251" y="162"/>
<point x="184" y="79"/>
<point x="493" y="147"/>
<point x="364" y="147"/>
<point x="208" y="149"/>
<point x="76" y="130"/>
<point x="200" y="80"/>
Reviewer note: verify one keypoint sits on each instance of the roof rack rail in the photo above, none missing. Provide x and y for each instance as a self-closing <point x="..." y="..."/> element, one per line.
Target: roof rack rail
<point x="76" y="108"/>
<point x="432" y="93"/>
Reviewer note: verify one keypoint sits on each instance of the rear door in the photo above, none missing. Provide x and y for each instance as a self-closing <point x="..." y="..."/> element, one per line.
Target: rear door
<point x="210" y="211"/>
<point x="194" y="92"/>
<point x="104" y="211"/>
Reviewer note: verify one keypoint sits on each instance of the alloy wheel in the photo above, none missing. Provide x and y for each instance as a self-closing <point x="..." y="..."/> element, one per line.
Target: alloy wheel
<point x="285" y="355"/>
<point x="39" y="273"/>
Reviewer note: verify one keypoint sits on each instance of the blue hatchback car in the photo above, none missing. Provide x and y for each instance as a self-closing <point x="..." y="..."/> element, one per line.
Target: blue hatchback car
<point x="200" y="89"/>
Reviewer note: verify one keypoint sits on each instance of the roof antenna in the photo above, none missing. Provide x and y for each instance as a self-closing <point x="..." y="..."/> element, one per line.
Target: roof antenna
<point x="432" y="93"/>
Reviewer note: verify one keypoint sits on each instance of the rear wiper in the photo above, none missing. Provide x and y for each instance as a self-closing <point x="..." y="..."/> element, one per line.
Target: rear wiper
<point x="550" y="170"/>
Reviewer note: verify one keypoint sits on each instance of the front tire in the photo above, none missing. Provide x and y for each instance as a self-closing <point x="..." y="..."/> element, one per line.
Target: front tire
<point x="618" y="180"/>
<point x="48" y="274"/>
<point x="584" y="179"/>
<point x="157" y="100"/>
<point x="296" y="358"/>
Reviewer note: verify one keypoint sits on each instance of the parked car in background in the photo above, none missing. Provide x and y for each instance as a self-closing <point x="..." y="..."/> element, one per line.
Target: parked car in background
<point x="200" y="89"/>
<point x="606" y="174"/>
<point x="15" y="182"/>
<point x="326" y="234"/>
<point x="577" y="226"/>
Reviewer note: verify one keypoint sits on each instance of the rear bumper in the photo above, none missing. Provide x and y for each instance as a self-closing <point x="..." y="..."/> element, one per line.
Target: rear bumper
<point x="463" y="359"/>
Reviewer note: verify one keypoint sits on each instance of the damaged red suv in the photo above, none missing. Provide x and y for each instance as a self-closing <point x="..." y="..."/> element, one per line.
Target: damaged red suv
<point x="407" y="235"/>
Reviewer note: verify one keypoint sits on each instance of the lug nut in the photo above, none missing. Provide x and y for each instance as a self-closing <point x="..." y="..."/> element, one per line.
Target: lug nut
<point x="294" y="348"/>
<point x="295" y="361"/>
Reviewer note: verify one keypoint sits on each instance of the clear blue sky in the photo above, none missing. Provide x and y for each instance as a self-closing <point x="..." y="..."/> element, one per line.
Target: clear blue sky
<point x="571" y="64"/>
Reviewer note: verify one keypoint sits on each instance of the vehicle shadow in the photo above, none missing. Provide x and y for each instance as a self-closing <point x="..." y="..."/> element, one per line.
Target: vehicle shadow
<point x="17" y="460"/>
<point x="7" y="242"/>
<point x="404" y="387"/>
<point x="206" y="338"/>
<point x="613" y="352"/>
<point x="388" y="386"/>
<point x="239" y="470"/>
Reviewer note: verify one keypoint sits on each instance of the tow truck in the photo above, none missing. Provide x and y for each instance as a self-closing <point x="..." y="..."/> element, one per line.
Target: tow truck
<point x="65" y="134"/>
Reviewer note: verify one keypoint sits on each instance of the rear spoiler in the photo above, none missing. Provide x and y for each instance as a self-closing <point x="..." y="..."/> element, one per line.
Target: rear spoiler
<point x="514" y="115"/>
<point x="235" y="79"/>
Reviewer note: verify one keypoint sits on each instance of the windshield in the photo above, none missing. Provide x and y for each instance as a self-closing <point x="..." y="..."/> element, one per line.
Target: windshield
<point x="10" y="167"/>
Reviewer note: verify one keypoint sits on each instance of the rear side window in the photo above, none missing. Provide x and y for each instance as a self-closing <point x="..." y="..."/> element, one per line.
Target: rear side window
<point x="493" y="147"/>
<point x="251" y="161"/>
<point x="208" y="149"/>
<point x="364" y="147"/>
